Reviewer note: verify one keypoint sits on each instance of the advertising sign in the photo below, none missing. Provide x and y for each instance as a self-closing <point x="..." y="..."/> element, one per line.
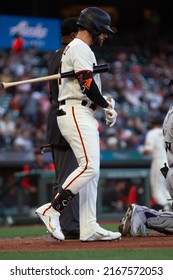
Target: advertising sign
<point x="42" y="33"/>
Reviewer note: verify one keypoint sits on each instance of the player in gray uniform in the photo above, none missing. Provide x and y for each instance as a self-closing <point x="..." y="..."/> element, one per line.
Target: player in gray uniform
<point x="168" y="138"/>
<point x="138" y="219"/>
<point x="79" y="97"/>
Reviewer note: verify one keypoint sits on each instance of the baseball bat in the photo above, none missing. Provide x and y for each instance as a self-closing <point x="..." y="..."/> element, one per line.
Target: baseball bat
<point x="96" y="69"/>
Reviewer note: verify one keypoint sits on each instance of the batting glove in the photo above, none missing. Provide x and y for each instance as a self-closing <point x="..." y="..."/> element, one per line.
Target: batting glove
<point x="110" y="117"/>
<point x="110" y="114"/>
<point x="110" y="100"/>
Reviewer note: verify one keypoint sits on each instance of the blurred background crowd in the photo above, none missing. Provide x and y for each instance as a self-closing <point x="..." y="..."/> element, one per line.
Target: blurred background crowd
<point x="140" y="57"/>
<point x="138" y="80"/>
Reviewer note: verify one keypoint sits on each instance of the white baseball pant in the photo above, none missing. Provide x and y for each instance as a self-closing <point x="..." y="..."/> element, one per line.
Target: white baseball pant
<point x="80" y="128"/>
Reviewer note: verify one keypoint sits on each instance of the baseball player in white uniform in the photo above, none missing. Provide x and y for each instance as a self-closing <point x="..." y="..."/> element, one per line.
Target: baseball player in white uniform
<point x="79" y="97"/>
<point x="154" y="145"/>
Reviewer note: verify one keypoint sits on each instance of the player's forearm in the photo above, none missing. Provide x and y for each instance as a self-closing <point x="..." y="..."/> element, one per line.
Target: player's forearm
<point x="90" y="89"/>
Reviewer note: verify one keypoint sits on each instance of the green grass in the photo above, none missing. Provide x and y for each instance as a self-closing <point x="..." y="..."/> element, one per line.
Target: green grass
<point x="90" y="255"/>
<point x="22" y="231"/>
<point x="35" y="230"/>
<point x="39" y="230"/>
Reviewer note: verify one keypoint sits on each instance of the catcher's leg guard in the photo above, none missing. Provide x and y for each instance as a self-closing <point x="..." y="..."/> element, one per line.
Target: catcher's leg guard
<point x="161" y="222"/>
<point x="62" y="200"/>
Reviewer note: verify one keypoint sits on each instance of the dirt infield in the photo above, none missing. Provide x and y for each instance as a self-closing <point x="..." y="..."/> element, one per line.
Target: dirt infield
<point x="46" y="243"/>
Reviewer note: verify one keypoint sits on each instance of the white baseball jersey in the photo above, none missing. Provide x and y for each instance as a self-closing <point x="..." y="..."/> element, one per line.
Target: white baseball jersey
<point x="154" y="142"/>
<point x="76" y="57"/>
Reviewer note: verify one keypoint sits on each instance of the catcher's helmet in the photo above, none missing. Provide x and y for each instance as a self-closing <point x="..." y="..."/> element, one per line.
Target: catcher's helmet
<point x="94" y="20"/>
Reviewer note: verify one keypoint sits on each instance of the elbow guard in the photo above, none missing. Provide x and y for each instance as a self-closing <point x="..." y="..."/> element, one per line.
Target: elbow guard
<point x="90" y="88"/>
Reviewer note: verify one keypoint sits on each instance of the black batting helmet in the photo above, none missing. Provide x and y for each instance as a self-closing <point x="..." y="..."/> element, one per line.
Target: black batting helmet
<point x="94" y="20"/>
